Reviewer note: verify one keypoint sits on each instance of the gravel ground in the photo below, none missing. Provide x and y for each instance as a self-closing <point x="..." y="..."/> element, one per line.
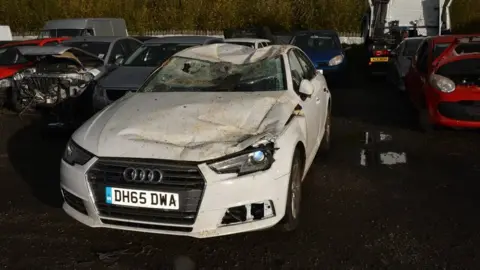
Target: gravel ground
<point x="421" y="214"/>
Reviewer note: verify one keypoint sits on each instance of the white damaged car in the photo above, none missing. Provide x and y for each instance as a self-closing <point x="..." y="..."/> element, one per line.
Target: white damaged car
<point x="217" y="141"/>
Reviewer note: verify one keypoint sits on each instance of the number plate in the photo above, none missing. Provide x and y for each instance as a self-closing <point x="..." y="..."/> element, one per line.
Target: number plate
<point x="142" y="198"/>
<point x="378" y="59"/>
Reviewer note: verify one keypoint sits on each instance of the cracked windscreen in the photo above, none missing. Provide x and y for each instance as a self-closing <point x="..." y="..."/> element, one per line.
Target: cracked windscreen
<point x="186" y="74"/>
<point x="154" y="55"/>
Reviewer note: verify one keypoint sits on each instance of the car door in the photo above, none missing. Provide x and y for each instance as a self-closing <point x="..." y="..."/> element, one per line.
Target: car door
<point x="116" y="51"/>
<point x="310" y="105"/>
<point x="320" y="85"/>
<point x="418" y="75"/>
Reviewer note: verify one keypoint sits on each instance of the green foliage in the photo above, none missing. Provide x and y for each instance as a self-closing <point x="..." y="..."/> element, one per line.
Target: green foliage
<point x="143" y="15"/>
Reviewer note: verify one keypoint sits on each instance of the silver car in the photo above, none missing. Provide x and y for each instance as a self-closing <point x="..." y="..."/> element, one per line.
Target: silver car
<point x="401" y="60"/>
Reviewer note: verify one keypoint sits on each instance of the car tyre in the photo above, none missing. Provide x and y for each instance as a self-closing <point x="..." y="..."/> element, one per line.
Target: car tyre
<point x="292" y="211"/>
<point x="325" y="144"/>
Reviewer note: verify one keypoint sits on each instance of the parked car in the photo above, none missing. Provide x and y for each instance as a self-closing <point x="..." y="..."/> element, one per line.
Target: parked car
<point x="325" y="50"/>
<point x="131" y="75"/>
<point x="401" y="59"/>
<point x="443" y="82"/>
<point x="143" y="38"/>
<point x="113" y="50"/>
<point x="255" y="43"/>
<point x="58" y="83"/>
<point x="11" y="61"/>
<point x="217" y="141"/>
<point x="76" y="27"/>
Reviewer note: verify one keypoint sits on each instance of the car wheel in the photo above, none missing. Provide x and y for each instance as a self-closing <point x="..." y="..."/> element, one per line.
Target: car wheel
<point x="426" y="125"/>
<point x="292" y="212"/>
<point x="325" y="144"/>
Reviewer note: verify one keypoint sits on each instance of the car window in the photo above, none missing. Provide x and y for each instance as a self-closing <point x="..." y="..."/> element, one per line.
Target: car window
<point x="316" y="42"/>
<point x="154" y="55"/>
<point x="99" y="49"/>
<point x="248" y="44"/>
<point x="260" y="45"/>
<point x="306" y="64"/>
<point x="132" y="45"/>
<point x="410" y="47"/>
<point x="296" y="70"/>
<point x="422" y="62"/>
<point x="265" y="44"/>
<point x="117" y="50"/>
<point x="439" y="49"/>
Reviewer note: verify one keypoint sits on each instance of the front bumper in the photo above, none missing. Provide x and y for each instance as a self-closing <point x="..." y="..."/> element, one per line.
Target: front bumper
<point x="203" y="210"/>
<point x="458" y="109"/>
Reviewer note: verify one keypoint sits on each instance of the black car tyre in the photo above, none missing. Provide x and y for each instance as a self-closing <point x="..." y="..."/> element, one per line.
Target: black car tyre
<point x="292" y="212"/>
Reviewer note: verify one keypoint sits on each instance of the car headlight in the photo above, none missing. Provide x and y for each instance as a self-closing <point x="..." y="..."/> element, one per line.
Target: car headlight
<point x="5" y="83"/>
<point x="442" y="83"/>
<point x="74" y="154"/>
<point x="250" y="161"/>
<point x="335" y="61"/>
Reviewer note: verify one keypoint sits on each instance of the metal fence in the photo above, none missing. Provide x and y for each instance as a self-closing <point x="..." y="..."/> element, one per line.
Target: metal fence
<point x="348" y="38"/>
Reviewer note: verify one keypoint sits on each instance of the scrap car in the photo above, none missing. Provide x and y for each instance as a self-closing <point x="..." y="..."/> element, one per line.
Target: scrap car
<point x="401" y="59"/>
<point x="325" y="50"/>
<point x="58" y="82"/>
<point x="217" y="141"/>
<point x="11" y="62"/>
<point x="129" y="76"/>
<point x="444" y="82"/>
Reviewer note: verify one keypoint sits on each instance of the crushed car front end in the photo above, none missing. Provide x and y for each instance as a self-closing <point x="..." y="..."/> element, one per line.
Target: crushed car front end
<point x="193" y="199"/>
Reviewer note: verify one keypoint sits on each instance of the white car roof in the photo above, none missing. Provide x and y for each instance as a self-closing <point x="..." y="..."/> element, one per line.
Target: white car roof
<point x="249" y="40"/>
<point x="236" y="54"/>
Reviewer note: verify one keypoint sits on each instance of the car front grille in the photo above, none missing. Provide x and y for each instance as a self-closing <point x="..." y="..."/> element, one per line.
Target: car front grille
<point x="114" y="94"/>
<point x="183" y="178"/>
<point x="465" y="110"/>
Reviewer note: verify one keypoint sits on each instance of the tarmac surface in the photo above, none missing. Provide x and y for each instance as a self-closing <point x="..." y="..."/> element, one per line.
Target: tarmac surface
<point x="395" y="198"/>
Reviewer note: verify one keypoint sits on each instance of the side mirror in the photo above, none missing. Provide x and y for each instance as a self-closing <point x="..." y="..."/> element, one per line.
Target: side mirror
<point x="320" y="71"/>
<point x="119" y="59"/>
<point x="306" y="88"/>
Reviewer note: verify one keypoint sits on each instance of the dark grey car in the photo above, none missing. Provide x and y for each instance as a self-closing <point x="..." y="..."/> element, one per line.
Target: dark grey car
<point x="401" y="60"/>
<point x="132" y="73"/>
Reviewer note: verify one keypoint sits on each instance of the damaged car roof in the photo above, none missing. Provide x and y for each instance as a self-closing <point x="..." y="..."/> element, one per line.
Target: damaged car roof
<point x="236" y="54"/>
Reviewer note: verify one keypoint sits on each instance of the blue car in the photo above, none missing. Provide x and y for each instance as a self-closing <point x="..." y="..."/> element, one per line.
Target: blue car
<point x="325" y="50"/>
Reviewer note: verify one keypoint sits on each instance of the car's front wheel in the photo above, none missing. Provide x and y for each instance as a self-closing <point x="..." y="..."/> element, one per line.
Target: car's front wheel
<point x="292" y="212"/>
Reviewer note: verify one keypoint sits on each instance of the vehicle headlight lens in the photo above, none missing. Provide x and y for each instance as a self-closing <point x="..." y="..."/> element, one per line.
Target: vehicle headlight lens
<point x="5" y="83"/>
<point x="335" y="61"/>
<point x="442" y="83"/>
<point x="74" y="154"/>
<point x="254" y="160"/>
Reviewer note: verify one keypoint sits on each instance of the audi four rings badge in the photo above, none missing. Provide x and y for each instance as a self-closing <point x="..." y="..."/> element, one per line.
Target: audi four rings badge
<point x="140" y="175"/>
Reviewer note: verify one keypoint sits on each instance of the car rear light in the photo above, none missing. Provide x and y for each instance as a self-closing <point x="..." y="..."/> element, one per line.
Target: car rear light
<point x="442" y="83"/>
<point x="381" y="53"/>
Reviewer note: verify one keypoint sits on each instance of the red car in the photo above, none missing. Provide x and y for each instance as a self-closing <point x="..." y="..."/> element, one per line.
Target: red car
<point x="11" y="61"/>
<point x="443" y="82"/>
